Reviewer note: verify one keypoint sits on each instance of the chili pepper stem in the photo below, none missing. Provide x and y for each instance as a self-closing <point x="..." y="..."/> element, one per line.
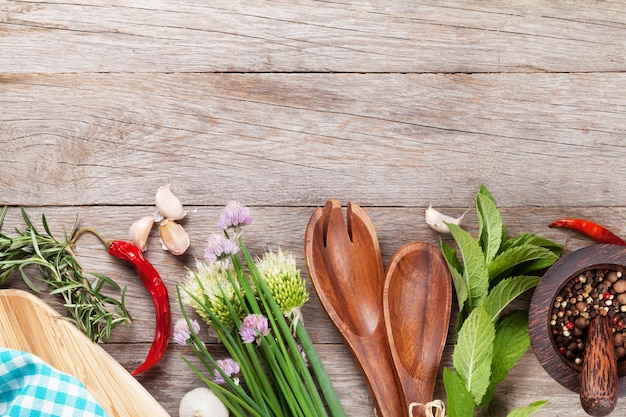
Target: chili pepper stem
<point x="79" y="232"/>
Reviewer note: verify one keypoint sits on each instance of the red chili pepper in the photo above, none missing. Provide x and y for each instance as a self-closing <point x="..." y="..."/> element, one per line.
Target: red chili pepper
<point x="127" y="251"/>
<point x="598" y="233"/>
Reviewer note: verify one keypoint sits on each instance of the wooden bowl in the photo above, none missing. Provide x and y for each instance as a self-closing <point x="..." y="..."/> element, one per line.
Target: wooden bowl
<point x="568" y="267"/>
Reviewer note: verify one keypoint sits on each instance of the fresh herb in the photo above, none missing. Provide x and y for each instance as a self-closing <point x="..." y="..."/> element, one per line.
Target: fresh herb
<point x="93" y="311"/>
<point x="272" y="368"/>
<point x="494" y="269"/>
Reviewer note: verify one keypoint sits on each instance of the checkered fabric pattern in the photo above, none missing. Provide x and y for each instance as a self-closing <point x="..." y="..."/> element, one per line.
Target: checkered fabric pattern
<point x="30" y="387"/>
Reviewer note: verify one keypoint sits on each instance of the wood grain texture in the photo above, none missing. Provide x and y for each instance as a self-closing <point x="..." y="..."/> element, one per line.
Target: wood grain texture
<point x="342" y="256"/>
<point x="598" y="378"/>
<point x="284" y="105"/>
<point x="284" y="227"/>
<point x="417" y="302"/>
<point x="311" y="36"/>
<point x="300" y="139"/>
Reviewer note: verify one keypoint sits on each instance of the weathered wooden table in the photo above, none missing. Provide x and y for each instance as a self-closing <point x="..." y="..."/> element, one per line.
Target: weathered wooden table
<point x="282" y="105"/>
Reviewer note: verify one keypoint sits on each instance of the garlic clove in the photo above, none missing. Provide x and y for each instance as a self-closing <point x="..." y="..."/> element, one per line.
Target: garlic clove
<point x="140" y="230"/>
<point x="437" y="220"/>
<point x="173" y="237"/>
<point x="168" y="204"/>
<point x="201" y="402"/>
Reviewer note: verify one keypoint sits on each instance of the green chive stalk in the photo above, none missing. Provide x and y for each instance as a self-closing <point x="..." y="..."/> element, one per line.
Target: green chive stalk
<point x="274" y="379"/>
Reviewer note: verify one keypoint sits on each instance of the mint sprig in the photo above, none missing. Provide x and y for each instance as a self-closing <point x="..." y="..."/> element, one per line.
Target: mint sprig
<point x="488" y="273"/>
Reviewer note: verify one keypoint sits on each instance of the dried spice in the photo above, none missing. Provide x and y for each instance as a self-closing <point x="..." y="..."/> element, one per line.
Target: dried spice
<point x="582" y="298"/>
<point x="598" y="233"/>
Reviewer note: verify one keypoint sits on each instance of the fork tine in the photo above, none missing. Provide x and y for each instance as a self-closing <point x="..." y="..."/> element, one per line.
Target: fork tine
<point x="361" y="228"/>
<point x="335" y="225"/>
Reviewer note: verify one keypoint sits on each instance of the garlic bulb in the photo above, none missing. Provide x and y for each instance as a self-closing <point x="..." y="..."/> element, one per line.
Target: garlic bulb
<point x="437" y="221"/>
<point x="201" y="402"/>
<point x="173" y="237"/>
<point x="168" y="204"/>
<point x="140" y="230"/>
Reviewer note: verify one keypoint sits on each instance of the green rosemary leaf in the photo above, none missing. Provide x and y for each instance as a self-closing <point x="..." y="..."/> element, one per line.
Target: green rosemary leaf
<point x="27" y="220"/>
<point x="66" y="287"/>
<point x="44" y="222"/>
<point x="27" y="280"/>
<point x="104" y="280"/>
<point x="3" y="214"/>
<point x="40" y="255"/>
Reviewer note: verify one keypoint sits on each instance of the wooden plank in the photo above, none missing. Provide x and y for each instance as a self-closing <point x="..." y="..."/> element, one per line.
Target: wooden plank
<point x="525" y="383"/>
<point x="284" y="227"/>
<point x="300" y="139"/>
<point x="272" y="228"/>
<point x="311" y="36"/>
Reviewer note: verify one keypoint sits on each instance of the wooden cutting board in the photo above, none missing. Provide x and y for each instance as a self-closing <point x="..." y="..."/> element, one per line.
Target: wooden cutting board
<point x="27" y="323"/>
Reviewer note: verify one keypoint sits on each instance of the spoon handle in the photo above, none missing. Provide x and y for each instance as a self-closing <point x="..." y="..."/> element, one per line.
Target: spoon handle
<point x="599" y="378"/>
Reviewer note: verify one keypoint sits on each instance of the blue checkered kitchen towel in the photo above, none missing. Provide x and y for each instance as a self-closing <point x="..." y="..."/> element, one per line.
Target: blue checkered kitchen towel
<point x="30" y="387"/>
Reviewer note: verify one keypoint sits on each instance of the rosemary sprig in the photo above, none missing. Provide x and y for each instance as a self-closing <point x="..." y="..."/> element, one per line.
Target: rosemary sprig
<point x="93" y="311"/>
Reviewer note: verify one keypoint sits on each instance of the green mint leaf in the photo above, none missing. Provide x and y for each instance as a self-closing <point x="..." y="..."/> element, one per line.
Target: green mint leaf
<point x="450" y="254"/>
<point x="460" y="402"/>
<point x="510" y="344"/>
<point x="475" y="273"/>
<point x="527" y="410"/>
<point x="506" y="291"/>
<point x="456" y="271"/>
<point x="491" y="229"/>
<point x="516" y="256"/>
<point x="532" y="266"/>
<point x="473" y="352"/>
<point x="532" y="239"/>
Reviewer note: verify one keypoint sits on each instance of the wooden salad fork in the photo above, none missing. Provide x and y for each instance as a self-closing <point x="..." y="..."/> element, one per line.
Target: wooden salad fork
<point x="345" y="266"/>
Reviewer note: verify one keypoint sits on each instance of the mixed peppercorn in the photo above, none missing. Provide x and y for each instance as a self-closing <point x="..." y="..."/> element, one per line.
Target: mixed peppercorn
<point x="590" y="294"/>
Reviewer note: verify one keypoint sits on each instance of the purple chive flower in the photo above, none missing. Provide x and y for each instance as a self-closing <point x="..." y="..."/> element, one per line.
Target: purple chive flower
<point x="234" y="216"/>
<point x="182" y="332"/>
<point x="253" y="327"/>
<point x="230" y="367"/>
<point x="219" y="246"/>
<point x="303" y="353"/>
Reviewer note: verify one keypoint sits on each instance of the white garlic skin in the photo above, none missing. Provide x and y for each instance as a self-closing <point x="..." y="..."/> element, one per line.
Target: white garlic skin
<point x="173" y="237"/>
<point x="140" y="230"/>
<point x="437" y="220"/>
<point x="168" y="204"/>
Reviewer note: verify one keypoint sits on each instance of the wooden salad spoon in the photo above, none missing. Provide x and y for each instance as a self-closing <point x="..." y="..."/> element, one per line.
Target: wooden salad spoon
<point x="345" y="266"/>
<point x="417" y="300"/>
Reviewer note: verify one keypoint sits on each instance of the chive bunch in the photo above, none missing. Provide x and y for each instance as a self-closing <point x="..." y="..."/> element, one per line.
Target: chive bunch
<point x="272" y="367"/>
